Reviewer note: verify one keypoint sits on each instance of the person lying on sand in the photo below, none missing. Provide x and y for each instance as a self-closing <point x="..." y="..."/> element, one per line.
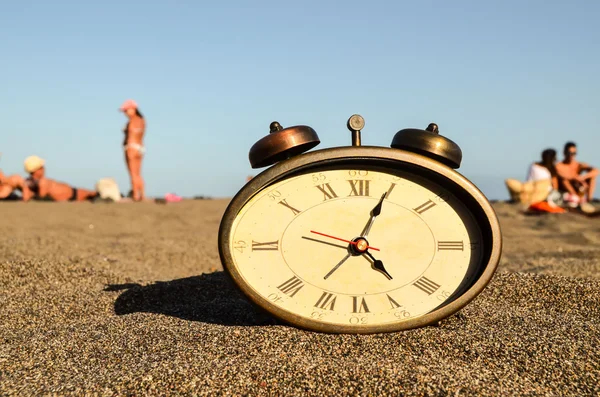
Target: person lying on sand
<point x="41" y="187"/>
<point x="577" y="179"/>
<point x="9" y="184"/>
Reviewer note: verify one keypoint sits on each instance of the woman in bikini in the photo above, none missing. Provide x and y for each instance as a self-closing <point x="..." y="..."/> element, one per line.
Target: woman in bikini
<point x="541" y="181"/>
<point x="134" y="147"/>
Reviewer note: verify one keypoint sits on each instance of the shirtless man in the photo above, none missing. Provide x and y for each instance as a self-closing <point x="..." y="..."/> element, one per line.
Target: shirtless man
<point x="574" y="175"/>
<point x="134" y="147"/>
<point x="42" y="187"/>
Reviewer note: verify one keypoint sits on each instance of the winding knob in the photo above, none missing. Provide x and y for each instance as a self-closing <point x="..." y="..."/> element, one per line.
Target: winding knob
<point x="356" y="122"/>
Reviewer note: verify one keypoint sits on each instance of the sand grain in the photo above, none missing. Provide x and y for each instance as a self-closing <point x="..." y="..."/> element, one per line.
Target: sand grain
<point x="137" y="304"/>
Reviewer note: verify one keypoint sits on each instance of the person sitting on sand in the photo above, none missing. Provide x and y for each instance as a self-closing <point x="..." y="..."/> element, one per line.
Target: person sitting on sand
<point x="544" y="170"/>
<point x="542" y="179"/>
<point x="45" y="188"/>
<point x="575" y="178"/>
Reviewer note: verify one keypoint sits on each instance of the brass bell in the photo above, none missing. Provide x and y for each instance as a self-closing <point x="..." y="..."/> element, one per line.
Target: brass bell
<point x="281" y="144"/>
<point x="430" y="143"/>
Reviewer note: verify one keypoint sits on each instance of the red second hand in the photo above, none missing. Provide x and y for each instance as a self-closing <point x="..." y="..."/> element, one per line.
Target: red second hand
<point x="341" y="239"/>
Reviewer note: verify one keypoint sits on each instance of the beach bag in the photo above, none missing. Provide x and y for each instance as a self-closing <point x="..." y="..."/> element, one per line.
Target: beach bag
<point x="108" y="189"/>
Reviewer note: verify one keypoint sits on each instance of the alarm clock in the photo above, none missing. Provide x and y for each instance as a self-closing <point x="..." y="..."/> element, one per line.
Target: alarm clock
<point x="359" y="239"/>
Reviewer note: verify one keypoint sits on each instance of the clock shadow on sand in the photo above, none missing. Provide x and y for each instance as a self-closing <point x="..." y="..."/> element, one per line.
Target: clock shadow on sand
<point x="209" y="298"/>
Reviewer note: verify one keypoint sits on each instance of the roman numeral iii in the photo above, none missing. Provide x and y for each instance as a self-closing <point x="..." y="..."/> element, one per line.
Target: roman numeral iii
<point x="451" y="246"/>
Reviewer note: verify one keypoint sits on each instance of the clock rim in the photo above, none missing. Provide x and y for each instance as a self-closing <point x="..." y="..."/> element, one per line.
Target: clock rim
<point x="319" y="158"/>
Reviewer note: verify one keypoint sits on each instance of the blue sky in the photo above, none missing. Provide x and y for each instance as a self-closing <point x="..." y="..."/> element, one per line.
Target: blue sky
<point x="503" y="79"/>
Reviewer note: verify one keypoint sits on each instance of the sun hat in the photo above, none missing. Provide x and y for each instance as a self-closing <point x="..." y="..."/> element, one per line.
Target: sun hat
<point x="33" y="163"/>
<point x="128" y="104"/>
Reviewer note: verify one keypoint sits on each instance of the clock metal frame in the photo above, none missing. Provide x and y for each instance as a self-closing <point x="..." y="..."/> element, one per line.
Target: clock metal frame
<point x="384" y="158"/>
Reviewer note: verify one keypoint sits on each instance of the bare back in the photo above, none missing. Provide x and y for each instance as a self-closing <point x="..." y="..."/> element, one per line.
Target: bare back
<point x="57" y="191"/>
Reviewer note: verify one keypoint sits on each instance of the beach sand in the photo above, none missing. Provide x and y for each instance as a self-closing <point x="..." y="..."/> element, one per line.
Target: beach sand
<point x="131" y="299"/>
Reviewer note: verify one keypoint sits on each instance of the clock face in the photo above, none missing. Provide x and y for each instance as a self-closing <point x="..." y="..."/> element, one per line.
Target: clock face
<point x="355" y="249"/>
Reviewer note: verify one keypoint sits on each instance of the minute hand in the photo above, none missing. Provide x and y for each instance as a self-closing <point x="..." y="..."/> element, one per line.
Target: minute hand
<point x="374" y="214"/>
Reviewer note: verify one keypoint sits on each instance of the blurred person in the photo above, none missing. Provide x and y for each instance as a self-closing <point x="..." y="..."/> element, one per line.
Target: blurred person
<point x="545" y="169"/>
<point x="575" y="178"/>
<point x="134" y="147"/>
<point x="45" y="188"/>
<point x="10" y="184"/>
<point x="541" y="181"/>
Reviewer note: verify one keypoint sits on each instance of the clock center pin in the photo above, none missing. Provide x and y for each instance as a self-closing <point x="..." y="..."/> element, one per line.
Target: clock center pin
<point x="361" y="246"/>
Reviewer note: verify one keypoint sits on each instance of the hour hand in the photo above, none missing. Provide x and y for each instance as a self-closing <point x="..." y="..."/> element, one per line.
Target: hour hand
<point x="378" y="265"/>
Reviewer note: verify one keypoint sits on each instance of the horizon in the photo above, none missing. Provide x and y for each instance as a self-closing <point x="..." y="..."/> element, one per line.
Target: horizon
<point x="503" y="80"/>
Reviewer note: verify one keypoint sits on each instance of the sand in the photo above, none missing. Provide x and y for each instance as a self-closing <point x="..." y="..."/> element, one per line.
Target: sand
<point x="131" y="299"/>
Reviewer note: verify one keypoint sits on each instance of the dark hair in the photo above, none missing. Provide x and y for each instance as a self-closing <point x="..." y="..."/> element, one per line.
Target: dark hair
<point x="569" y="145"/>
<point x="137" y="112"/>
<point x="548" y="159"/>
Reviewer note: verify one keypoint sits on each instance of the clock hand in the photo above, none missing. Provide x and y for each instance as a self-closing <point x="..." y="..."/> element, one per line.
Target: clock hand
<point x="374" y="213"/>
<point x="341" y="239"/>
<point x="316" y="240"/>
<point x="378" y="265"/>
<point x="336" y="266"/>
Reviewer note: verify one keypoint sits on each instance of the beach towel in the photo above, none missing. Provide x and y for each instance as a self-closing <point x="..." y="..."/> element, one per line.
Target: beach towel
<point x="544" y="206"/>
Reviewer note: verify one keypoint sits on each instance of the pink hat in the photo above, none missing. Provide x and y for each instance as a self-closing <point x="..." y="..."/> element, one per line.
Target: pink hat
<point x="128" y="104"/>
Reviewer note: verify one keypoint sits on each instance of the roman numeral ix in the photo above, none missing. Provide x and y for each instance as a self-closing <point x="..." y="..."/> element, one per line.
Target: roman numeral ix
<point x="268" y="246"/>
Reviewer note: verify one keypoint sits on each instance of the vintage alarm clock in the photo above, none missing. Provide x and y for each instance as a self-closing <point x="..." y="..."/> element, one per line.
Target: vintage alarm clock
<point x="359" y="239"/>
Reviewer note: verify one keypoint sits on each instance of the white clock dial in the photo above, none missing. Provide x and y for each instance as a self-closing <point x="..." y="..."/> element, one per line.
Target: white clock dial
<point x="355" y="247"/>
